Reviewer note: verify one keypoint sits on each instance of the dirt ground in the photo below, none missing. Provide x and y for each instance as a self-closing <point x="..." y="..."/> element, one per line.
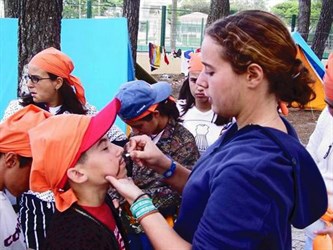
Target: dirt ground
<point x="304" y="121"/>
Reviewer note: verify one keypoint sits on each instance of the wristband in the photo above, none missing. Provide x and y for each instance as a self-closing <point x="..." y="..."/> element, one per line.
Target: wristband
<point x="141" y="207"/>
<point x="170" y="172"/>
<point x="141" y="195"/>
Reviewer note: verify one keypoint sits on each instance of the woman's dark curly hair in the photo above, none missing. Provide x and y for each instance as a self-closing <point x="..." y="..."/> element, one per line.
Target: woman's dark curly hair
<point x="260" y="37"/>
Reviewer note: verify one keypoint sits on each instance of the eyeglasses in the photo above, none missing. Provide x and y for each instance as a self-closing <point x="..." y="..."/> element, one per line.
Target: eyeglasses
<point x="35" y="79"/>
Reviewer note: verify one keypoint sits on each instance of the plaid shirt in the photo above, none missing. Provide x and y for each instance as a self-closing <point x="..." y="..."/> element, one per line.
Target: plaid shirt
<point x="178" y="143"/>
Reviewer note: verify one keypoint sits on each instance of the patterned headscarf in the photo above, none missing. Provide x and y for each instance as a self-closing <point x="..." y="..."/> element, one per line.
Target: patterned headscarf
<point x="58" y="143"/>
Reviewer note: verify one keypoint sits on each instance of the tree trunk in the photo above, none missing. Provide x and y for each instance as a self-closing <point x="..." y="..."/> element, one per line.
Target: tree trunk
<point x="173" y="35"/>
<point x="323" y="28"/>
<point x="39" y="28"/>
<point x="131" y="9"/>
<point x="218" y="9"/>
<point x="12" y="8"/>
<point x="303" y="21"/>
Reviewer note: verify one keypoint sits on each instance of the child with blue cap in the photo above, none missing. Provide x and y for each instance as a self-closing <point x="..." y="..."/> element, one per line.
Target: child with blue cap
<point x="151" y="110"/>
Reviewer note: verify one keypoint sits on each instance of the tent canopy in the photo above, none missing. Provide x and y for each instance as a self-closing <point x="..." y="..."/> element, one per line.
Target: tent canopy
<point x="102" y="62"/>
<point x="316" y="68"/>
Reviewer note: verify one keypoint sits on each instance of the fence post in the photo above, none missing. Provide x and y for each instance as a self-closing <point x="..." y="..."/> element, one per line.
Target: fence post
<point x="163" y="20"/>
<point x="89" y="8"/>
<point x="293" y="22"/>
<point x="202" y="30"/>
<point x="147" y="31"/>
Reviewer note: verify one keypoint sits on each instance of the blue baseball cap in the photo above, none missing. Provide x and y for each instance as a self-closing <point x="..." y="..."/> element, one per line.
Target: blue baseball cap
<point x="138" y="96"/>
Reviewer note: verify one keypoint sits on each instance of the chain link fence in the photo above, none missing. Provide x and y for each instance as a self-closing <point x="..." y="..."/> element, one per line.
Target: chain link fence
<point x="189" y="25"/>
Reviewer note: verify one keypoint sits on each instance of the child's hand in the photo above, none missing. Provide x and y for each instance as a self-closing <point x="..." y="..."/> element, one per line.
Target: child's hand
<point x="328" y="230"/>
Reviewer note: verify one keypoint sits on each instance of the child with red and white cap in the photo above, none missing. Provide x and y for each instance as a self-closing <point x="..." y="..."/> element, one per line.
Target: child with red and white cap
<point x="72" y="157"/>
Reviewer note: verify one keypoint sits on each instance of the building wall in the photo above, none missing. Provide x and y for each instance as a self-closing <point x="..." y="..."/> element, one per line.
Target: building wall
<point x="2" y="8"/>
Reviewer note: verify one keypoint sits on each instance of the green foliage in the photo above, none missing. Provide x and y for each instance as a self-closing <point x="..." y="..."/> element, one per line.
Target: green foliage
<point x="195" y="6"/>
<point x="288" y="8"/>
<point x="238" y="5"/>
<point x="78" y="8"/>
<point x="315" y="13"/>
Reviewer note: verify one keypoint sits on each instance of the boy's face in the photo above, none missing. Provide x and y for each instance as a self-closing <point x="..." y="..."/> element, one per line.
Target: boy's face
<point x="15" y="177"/>
<point x="102" y="159"/>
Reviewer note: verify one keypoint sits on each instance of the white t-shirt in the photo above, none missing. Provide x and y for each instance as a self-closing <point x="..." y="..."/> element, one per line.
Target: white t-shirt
<point x="201" y="125"/>
<point x="11" y="236"/>
<point x="320" y="147"/>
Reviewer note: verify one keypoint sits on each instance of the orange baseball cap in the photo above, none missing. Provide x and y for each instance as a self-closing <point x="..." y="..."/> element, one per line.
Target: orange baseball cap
<point x="14" y="131"/>
<point x="58" y="144"/>
<point x="58" y="63"/>
<point x="195" y="63"/>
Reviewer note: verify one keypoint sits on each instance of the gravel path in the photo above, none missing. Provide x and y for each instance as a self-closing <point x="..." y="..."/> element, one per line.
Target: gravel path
<point x="298" y="239"/>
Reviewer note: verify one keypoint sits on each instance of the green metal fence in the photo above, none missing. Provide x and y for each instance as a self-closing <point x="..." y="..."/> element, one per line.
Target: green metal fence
<point x="155" y="25"/>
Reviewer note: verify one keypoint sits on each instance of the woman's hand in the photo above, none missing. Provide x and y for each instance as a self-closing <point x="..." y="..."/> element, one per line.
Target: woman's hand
<point x="144" y="152"/>
<point x="125" y="187"/>
<point x="328" y="230"/>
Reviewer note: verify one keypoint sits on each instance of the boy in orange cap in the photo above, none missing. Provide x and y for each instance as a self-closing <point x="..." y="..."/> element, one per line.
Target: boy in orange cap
<point x="72" y="156"/>
<point x="15" y="165"/>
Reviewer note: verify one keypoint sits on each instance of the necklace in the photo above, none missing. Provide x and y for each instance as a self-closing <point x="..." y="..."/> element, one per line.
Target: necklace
<point x="266" y="122"/>
<point x="269" y="121"/>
